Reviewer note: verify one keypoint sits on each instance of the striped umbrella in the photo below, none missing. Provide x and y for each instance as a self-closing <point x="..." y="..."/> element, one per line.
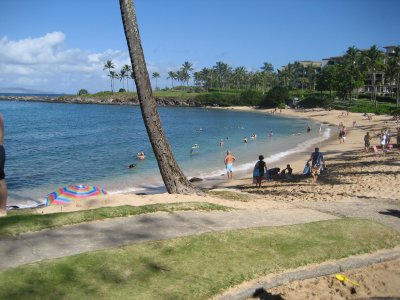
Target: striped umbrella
<point x="71" y="193"/>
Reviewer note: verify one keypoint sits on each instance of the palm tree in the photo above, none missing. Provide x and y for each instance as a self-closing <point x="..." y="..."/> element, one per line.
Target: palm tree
<point x="299" y="76"/>
<point x="311" y="71"/>
<point x="185" y="69"/>
<point x="121" y="76"/>
<point x="172" y="75"/>
<point x="112" y="75"/>
<point x="155" y="76"/>
<point x="239" y="75"/>
<point x="222" y="70"/>
<point x="108" y="66"/>
<point x="267" y="69"/>
<point x="206" y="77"/>
<point x="287" y="75"/>
<point x="351" y="61"/>
<point x="174" y="179"/>
<point x="326" y="79"/>
<point x="127" y="71"/>
<point x="373" y="62"/>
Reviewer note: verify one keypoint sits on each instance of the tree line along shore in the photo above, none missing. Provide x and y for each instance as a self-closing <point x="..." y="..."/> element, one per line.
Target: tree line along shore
<point x="275" y="97"/>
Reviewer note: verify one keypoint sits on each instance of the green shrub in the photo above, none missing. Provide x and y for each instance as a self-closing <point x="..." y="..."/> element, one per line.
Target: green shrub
<point x="311" y="102"/>
<point x="82" y="92"/>
<point x="275" y="96"/>
<point x="395" y="112"/>
<point x="121" y="91"/>
<point x="251" y="97"/>
<point x="382" y="109"/>
<point x="216" y="98"/>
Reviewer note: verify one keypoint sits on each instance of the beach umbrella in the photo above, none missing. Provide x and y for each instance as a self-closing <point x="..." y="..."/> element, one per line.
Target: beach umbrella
<point x="71" y="193"/>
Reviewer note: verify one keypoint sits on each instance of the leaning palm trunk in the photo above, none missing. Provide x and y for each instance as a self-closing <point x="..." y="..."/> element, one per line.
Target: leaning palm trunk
<point x="173" y="178"/>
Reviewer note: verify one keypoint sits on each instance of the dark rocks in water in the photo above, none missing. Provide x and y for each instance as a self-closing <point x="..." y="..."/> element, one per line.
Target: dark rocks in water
<point x="141" y="194"/>
<point x="195" y="179"/>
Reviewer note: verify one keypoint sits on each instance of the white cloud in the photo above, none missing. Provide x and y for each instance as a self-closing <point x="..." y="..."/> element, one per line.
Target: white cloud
<point x="46" y="63"/>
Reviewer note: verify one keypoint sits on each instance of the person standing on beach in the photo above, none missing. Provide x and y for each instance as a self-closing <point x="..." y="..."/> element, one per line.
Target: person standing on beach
<point x="367" y="142"/>
<point x="229" y="160"/>
<point x="259" y="170"/>
<point x="317" y="161"/>
<point x="3" y="186"/>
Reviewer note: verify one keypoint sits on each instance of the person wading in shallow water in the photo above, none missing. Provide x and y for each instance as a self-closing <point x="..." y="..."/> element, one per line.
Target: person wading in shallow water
<point x="3" y="186"/>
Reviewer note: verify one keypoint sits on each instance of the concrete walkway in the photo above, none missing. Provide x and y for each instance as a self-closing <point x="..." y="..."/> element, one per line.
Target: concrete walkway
<point x="74" y="239"/>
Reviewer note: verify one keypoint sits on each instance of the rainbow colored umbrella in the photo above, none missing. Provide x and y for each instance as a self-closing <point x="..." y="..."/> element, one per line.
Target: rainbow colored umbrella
<point x="72" y="193"/>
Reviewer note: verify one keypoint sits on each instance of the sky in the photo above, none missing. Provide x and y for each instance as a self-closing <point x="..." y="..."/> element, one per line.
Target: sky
<point x="62" y="45"/>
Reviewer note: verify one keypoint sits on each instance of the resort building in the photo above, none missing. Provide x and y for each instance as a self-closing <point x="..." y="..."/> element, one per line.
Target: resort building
<point x="382" y="84"/>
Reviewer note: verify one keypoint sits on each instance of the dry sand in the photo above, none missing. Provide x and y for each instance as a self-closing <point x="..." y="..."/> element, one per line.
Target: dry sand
<point x="352" y="176"/>
<point x="378" y="280"/>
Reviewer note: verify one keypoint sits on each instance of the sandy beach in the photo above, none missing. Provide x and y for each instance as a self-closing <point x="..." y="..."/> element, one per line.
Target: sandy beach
<point x="353" y="177"/>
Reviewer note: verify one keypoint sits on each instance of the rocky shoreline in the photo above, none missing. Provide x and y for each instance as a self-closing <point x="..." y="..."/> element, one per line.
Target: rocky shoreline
<point x="108" y="100"/>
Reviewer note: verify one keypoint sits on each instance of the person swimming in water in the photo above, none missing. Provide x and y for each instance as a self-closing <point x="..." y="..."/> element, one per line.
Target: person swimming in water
<point x="131" y="166"/>
<point x="141" y="155"/>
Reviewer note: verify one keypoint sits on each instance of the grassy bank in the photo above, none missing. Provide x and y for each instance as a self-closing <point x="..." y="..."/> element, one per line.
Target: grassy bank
<point x="17" y="222"/>
<point x="195" y="267"/>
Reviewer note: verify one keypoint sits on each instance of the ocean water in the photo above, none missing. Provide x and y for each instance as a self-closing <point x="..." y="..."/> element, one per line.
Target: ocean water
<point x="51" y="145"/>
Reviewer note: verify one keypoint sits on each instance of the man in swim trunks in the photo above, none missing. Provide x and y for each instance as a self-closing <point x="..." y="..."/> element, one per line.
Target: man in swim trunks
<point x="229" y="160"/>
<point x="317" y="161"/>
<point x="3" y="186"/>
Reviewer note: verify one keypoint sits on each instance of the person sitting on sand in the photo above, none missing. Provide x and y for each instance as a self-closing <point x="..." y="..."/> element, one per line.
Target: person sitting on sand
<point x="317" y="162"/>
<point x="273" y="173"/>
<point x="287" y="173"/>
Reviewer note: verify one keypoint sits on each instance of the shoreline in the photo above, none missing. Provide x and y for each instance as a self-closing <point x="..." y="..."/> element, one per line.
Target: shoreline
<point x="332" y="150"/>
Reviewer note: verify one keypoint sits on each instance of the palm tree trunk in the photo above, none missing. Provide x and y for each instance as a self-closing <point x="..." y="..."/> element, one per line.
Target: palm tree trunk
<point x="174" y="179"/>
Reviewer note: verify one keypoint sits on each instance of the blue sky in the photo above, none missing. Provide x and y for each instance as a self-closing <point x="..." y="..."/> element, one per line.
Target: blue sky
<point x="62" y="45"/>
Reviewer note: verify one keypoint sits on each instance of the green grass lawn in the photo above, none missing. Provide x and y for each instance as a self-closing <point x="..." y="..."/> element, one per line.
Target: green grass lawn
<point x="20" y="221"/>
<point x="194" y="267"/>
<point x="178" y="94"/>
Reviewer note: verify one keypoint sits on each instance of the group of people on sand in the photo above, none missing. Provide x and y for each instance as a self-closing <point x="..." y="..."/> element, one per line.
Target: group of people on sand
<point x="384" y="140"/>
<point x="261" y="172"/>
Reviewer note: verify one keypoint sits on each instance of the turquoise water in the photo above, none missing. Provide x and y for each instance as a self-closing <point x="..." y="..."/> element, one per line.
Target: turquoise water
<point x="51" y="145"/>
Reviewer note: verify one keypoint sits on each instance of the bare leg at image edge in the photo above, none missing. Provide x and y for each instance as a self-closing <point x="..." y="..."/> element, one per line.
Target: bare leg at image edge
<point x="3" y="186"/>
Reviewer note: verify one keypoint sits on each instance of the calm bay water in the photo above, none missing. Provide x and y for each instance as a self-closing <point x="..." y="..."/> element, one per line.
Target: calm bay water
<point x="50" y="145"/>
